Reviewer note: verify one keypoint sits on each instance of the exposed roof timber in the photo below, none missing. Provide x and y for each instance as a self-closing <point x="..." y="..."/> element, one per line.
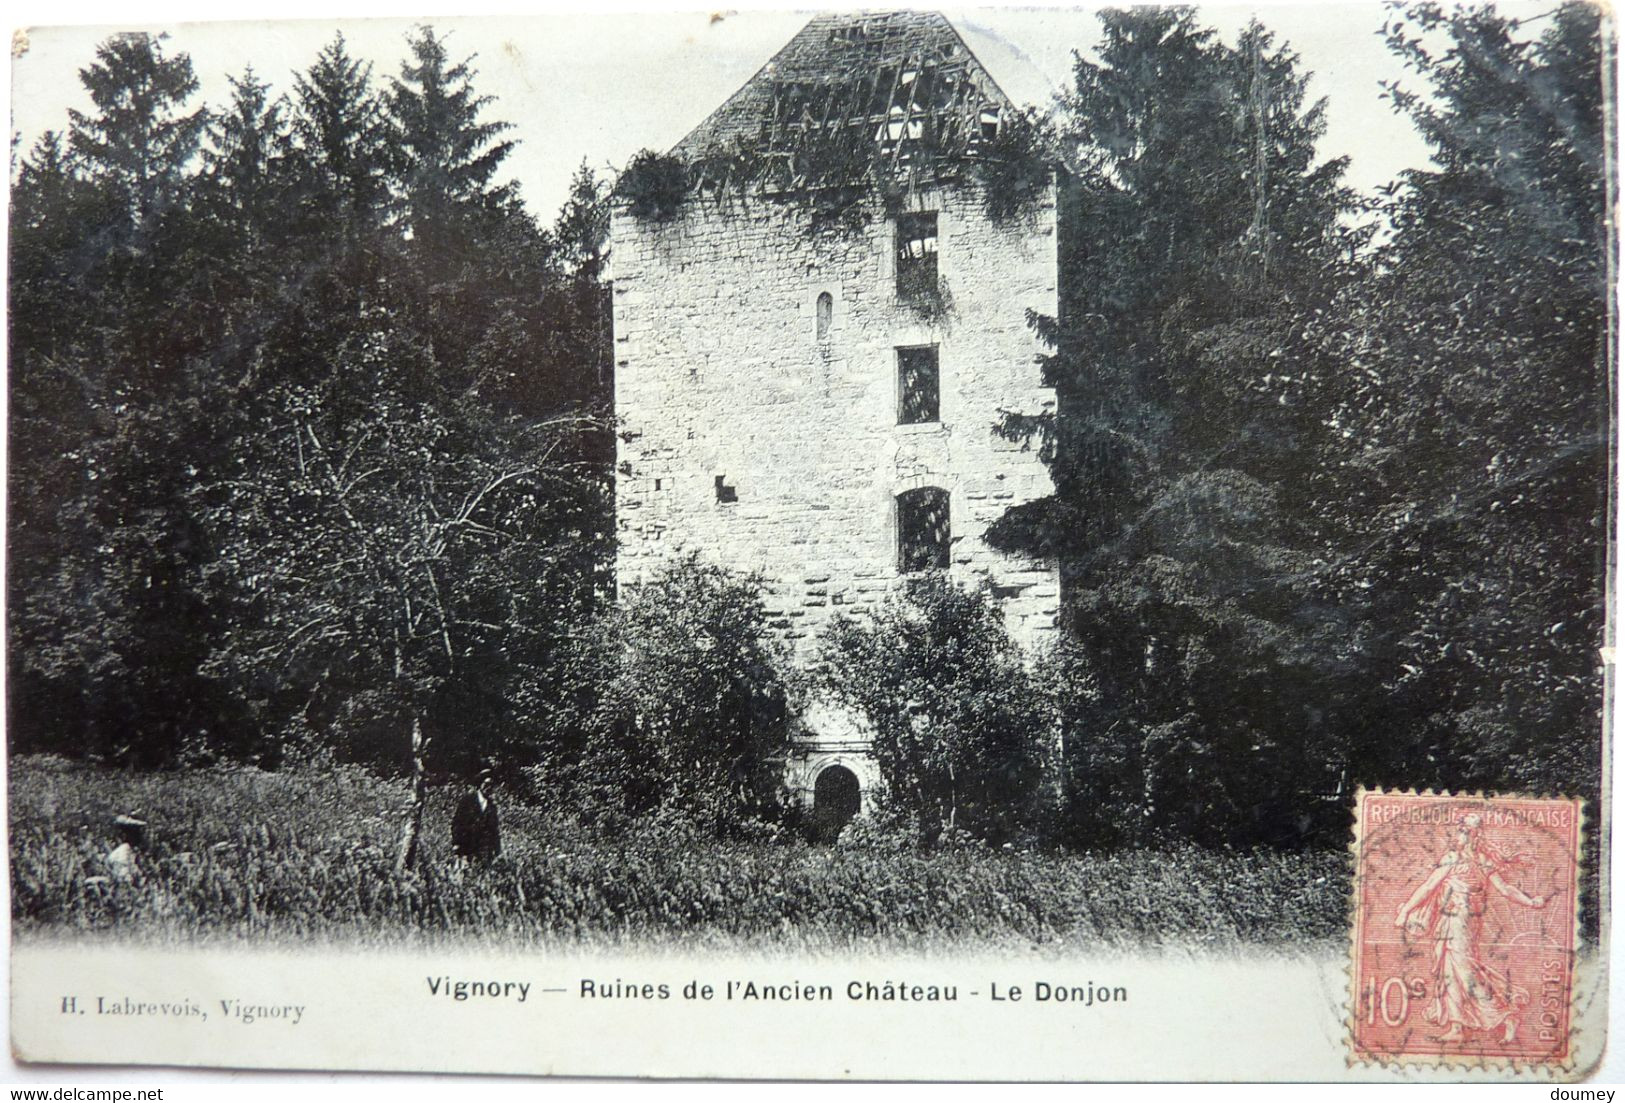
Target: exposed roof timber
<point x="845" y="52"/>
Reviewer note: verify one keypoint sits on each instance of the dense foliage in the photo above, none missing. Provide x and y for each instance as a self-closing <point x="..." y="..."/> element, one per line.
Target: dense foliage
<point x="1327" y="513"/>
<point x="1480" y="395"/>
<point x="305" y="434"/>
<point x="654" y="185"/>
<point x="685" y="697"/>
<point x="961" y="728"/>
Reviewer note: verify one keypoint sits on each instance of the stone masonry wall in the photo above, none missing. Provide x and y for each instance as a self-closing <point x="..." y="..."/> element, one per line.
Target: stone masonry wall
<point x="718" y="372"/>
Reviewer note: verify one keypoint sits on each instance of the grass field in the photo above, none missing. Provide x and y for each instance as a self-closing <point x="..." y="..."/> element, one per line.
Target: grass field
<point x="306" y="855"/>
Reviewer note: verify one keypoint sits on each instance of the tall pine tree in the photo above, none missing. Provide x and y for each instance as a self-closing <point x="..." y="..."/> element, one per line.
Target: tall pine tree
<point x="343" y="143"/>
<point x="1206" y="248"/>
<point x="106" y="434"/>
<point x="138" y="143"/>
<point x="1482" y="411"/>
<point x="449" y="156"/>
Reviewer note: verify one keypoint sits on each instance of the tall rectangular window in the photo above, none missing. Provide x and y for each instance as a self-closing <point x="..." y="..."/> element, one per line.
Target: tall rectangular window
<point x="919" y="386"/>
<point x="916" y="256"/>
<point x="924" y="532"/>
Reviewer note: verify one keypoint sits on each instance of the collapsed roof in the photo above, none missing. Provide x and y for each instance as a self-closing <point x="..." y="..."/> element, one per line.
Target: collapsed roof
<point x="852" y="92"/>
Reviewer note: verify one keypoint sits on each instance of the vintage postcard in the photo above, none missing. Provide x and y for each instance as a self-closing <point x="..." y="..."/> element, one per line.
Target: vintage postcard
<point x="833" y="544"/>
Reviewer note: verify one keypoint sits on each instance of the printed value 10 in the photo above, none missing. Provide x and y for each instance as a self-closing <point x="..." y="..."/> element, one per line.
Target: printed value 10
<point x="1395" y="992"/>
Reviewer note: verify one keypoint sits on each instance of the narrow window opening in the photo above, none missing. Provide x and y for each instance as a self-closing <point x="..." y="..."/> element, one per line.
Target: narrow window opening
<point x="919" y="386"/>
<point x="896" y="120"/>
<point x="726" y="493"/>
<point x="989" y="120"/>
<point x="923" y="529"/>
<point x="826" y="314"/>
<point x="916" y="255"/>
<point x="657" y="484"/>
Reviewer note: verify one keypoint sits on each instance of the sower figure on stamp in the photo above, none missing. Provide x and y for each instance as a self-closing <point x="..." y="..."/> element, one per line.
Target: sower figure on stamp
<point x="1449" y="907"/>
<point x="475" y="832"/>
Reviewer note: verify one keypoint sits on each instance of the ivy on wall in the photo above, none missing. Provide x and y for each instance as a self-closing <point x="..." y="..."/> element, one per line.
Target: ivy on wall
<point x="840" y="162"/>
<point x="655" y="185"/>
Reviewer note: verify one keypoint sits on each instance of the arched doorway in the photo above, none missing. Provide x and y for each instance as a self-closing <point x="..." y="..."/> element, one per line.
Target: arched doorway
<point x="835" y="802"/>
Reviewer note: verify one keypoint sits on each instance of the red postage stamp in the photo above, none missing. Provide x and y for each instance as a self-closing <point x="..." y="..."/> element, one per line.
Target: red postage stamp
<point x="1464" y="928"/>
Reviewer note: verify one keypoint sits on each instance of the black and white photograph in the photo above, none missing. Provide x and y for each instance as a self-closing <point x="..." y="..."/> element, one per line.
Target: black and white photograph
<point x="978" y="538"/>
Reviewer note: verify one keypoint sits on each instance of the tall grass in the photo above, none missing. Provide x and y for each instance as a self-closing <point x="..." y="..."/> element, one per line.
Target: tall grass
<point x="306" y="855"/>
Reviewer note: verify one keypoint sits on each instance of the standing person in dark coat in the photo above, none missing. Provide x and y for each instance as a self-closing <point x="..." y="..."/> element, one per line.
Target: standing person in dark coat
<point x="475" y="832"/>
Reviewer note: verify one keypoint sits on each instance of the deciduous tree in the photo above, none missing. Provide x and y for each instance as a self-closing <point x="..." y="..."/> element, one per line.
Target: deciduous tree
<point x="962" y="729"/>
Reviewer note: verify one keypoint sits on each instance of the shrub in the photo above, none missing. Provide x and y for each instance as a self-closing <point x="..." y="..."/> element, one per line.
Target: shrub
<point x="692" y="706"/>
<point x="960" y="725"/>
<point x="927" y="296"/>
<point x="655" y="185"/>
<point x="1102" y="778"/>
<point x="1015" y="166"/>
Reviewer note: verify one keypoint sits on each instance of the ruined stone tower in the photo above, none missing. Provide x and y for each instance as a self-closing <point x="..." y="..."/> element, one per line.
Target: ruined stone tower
<point x="813" y="397"/>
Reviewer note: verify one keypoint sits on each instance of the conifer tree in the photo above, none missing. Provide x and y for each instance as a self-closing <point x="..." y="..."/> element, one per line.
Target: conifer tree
<point x="449" y="156"/>
<point x="342" y="139"/>
<point x="1482" y="410"/>
<point x="48" y="204"/>
<point x="246" y="161"/>
<point x="244" y="215"/>
<point x="49" y="423"/>
<point x="106" y="432"/>
<point x="1206" y="255"/>
<point x="138" y="143"/>
<point x="582" y="228"/>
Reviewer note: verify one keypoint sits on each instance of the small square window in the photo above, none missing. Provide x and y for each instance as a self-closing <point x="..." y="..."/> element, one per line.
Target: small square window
<point x="916" y="256"/>
<point x="919" y="386"/>
<point x="988" y="121"/>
